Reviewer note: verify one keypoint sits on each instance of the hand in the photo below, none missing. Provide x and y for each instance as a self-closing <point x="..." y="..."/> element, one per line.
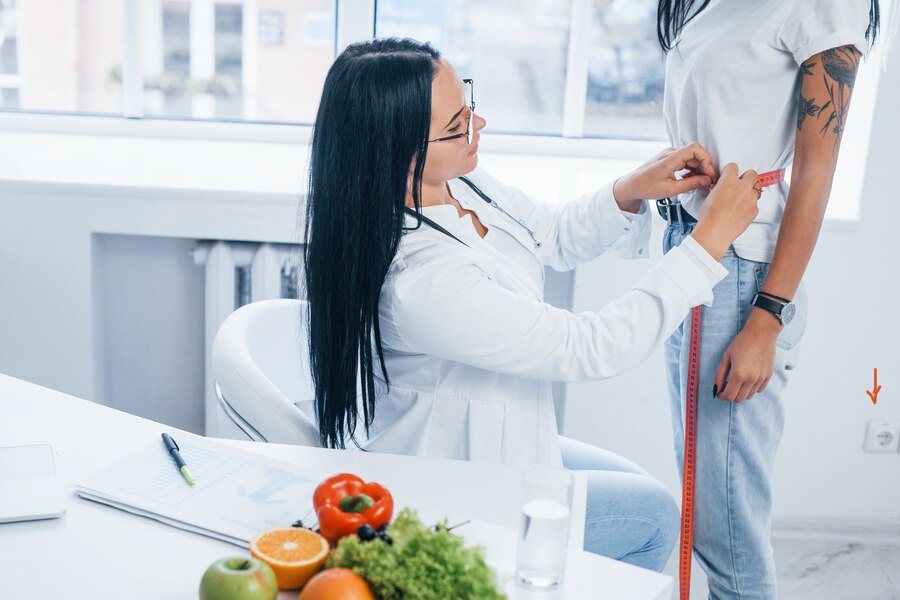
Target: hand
<point x="728" y="211"/>
<point x="656" y="178"/>
<point x="746" y="367"/>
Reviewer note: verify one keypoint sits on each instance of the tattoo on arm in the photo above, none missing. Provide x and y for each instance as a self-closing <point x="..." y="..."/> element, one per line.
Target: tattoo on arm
<point x="808" y="108"/>
<point x="840" y="66"/>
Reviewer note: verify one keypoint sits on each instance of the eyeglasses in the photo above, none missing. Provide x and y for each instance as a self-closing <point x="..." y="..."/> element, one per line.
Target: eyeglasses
<point x="470" y="97"/>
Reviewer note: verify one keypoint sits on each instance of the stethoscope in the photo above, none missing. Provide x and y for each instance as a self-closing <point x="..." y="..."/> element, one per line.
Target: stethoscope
<point x="490" y="202"/>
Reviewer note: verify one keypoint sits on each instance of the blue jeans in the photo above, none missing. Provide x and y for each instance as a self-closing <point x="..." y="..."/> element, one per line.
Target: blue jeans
<point x="629" y="515"/>
<point x="736" y="443"/>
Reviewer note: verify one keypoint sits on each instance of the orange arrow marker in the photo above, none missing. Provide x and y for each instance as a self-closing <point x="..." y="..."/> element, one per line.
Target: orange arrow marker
<point x="877" y="388"/>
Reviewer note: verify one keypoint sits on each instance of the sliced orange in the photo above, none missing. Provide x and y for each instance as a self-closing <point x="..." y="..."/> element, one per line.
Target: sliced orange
<point x="295" y="554"/>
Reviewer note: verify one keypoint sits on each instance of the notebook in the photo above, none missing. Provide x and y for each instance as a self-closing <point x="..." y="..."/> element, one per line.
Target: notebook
<point x="237" y="495"/>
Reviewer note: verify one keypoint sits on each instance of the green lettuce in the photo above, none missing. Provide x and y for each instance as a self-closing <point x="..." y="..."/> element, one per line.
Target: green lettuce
<point x="422" y="564"/>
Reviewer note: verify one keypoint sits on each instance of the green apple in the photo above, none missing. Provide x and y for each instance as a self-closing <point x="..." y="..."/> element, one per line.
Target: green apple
<point x="238" y="578"/>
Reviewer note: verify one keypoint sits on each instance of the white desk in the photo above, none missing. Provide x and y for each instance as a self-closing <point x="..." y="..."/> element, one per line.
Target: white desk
<point x="96" y="552"/>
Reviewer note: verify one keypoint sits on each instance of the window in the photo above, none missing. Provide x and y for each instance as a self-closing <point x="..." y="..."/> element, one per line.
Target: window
<point x="570" y="68"/>
<point x="519" y="53"/>
<point x="229" y="36"/>
<point x="81" y="72"/>
<point x="9" y="60"/>
<point x="625" y="71"/>
<point x="167" y="93"/>
<point x="515" y="50"/>
<point x="261" y="60"/>
<point x="264" y="60"/>
<point x="9" y="55"/>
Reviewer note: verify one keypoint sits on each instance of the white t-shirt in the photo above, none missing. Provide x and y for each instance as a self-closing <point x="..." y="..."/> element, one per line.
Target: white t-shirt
<point x="732" y="84"/>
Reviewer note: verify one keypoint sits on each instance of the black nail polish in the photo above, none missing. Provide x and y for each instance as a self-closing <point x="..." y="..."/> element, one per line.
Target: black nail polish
<point x="715" y="390"/>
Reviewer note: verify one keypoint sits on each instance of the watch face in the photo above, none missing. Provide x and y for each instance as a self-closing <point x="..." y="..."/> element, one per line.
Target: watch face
<point x="788" y="312"/>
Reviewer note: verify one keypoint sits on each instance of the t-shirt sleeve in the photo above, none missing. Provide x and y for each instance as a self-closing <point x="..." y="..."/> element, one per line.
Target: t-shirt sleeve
<point x="813" y="26"/>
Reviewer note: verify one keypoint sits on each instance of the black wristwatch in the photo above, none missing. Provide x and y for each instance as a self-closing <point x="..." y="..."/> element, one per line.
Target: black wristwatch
<point x="782" y="308"/>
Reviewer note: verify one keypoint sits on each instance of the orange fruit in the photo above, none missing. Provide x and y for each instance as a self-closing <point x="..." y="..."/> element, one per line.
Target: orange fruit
<point x="295" y="554"/>
<point x="336" y="584"/>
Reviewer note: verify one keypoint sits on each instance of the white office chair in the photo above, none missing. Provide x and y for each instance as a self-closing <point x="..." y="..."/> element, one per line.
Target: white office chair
<point x="260" y="367"/>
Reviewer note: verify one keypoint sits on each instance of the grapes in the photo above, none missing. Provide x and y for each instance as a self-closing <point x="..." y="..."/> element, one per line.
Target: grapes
<point x="366" y="533"/>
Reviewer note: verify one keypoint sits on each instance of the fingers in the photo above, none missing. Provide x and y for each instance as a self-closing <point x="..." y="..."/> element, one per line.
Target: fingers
<point x="756" y="389"/>
<point x="730" y="393"/>
<point x="696" y="173"/>
<point x="739" y="389"/>
<point x="727" y="382"/>
<point x="722" y="373"/>
<point x="748" y="390"/>
<point x="697" y="157"/>
<point x="730" y="170"/>
<point x="690" y="182"/>
<point x="744" y="393"/>
<point x="751" y="177"/>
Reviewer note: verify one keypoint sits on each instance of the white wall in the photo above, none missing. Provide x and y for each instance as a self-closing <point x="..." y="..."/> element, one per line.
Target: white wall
<point x="854" y="326"/>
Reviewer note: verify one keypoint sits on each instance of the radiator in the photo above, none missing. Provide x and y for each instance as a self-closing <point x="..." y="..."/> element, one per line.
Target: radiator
<point x="238" y="273"/>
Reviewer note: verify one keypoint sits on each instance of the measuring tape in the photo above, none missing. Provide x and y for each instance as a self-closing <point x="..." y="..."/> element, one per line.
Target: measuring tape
<point x="770" y="178"/>
<point x="690" y="430"/>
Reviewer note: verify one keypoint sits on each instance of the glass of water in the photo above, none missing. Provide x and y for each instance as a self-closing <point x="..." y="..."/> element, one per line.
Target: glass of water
<point x="544" y="527"/>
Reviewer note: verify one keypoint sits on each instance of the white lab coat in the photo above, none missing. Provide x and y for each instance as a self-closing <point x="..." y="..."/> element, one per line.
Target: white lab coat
<point x="471" y="348"/>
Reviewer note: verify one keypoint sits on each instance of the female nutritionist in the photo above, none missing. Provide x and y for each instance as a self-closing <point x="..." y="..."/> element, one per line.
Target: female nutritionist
<point x="427" y="286"/>
<point x="760" y="83"/>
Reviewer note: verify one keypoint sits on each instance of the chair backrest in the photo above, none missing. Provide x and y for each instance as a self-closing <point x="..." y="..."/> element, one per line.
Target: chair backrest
<point x="261" y="367"/>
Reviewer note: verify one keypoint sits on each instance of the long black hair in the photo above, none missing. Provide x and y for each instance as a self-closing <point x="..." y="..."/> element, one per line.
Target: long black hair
<point x="372" y="125"/>
<point x="673" y="15"/>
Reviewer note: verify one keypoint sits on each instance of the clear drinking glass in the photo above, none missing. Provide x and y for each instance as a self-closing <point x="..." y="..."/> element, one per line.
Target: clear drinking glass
<point x="544" y="527"/>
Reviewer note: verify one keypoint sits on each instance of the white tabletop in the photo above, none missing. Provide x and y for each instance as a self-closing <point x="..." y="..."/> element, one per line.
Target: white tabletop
<point x="97" y="552"/>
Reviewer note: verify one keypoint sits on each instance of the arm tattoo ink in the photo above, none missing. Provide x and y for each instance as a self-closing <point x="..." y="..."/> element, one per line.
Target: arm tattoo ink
<point x="840" y="66"/>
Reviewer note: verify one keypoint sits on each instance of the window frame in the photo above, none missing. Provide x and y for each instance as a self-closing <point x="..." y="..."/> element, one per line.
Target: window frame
<point x="355" y="21"/>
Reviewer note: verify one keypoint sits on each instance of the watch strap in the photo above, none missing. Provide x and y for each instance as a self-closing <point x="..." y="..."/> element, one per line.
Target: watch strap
<point x="773" y="306"/>
<point x="779" y="298"/>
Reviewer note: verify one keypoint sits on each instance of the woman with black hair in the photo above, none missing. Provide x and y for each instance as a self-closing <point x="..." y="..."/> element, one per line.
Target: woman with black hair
<point x="760" y="83"/>
<point x="424" y="277"/>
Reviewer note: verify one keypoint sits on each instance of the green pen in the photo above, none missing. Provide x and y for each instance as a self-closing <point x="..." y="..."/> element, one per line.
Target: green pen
<point x="172" y="447"/>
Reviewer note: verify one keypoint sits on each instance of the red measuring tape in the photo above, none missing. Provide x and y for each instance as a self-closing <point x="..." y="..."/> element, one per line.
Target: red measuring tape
<point x="770" y="178"/>
<point x="690" y="430"/>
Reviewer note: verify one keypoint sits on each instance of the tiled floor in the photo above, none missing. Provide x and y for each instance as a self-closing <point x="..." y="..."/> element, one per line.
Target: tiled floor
<point x="824" y="568"/>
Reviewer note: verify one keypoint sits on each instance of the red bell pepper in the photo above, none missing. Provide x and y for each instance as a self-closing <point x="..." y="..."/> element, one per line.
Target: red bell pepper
<point x="345" y="502"/>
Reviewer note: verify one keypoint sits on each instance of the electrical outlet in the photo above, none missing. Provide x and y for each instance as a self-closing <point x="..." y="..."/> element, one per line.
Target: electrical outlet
<point x="882" y="436"/>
